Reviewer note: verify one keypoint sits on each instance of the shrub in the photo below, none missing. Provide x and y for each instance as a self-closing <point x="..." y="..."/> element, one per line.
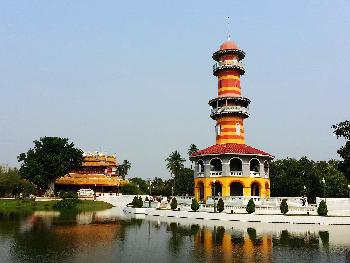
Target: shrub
<point x="322" y="208"/>
<point x="173" y="204"/>
<point x="194" y="205"/>
<point x="284" y="206"/>
<point x="250" y="206"/>
<point x="221" y="205"/>
<point x="137" y="202"/>
<point x="67" y="203"/>
<point x="70" y="194"/>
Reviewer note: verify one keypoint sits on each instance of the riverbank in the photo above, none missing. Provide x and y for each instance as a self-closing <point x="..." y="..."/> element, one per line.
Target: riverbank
<point x="16" y="205"/>
<point x="252" y="218"/>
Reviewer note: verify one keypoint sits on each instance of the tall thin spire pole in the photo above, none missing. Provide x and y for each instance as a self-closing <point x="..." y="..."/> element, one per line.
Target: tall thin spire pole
<point x="228" y="28"/>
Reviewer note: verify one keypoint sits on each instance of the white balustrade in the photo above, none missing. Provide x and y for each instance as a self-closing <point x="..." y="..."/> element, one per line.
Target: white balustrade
<point x="254" y="174"/>
<point x="236" y="173"/>
<point x="215" y="173"/>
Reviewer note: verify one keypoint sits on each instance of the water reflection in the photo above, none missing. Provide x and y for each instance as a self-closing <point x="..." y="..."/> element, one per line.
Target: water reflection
<point x="92" y="237"/>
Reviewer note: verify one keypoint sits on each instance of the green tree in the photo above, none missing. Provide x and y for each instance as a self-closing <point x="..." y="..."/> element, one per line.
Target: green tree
<point x="184" y="183"/>
<point x="221" y="205"/>
<point x="250" y="206"/>
<point x="342" y="130"/>
<point x="194" y="205"/>
<point x="51" y="158"/>
<point x="284" y="206"/>
<point x="124" y="168"/>
<point x="322" y="208"/>
<point x="174" y="163"/>
<point x="192" y="149"/>
<point x="143" y="185"/>
<point x="12" y="184"/>
<point x="173" y="203"/>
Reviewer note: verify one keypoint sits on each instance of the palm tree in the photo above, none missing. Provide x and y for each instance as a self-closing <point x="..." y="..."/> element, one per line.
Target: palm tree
<point x="174" y="164"/>
<point x="124" y="168"/>
<point x="192" y="149"/>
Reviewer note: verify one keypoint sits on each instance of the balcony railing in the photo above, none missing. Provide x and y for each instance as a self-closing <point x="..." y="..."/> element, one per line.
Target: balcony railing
<point x="236" y="173"/>
<point x="215" y="173"/>
<point x="254" y="174"/>
<point x="200" y="174"/>
<point x="230" y="109"/>
<point x="228" y="64"/>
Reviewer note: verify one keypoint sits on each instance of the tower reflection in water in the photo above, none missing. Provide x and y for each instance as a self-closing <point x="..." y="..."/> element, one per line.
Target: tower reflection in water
<point x="230" y="245"/>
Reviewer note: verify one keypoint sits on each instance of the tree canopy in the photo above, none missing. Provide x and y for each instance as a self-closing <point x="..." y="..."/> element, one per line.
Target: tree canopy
<point x="342" y="130"/>
<point x="51" y="158"/>
<point x="124" y="168"/>
<point x="192" y="149"/>
<point x="292" y="177"/>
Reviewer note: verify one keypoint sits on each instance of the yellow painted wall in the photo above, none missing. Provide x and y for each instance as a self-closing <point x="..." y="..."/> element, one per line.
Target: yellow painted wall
<point x="225" y="181"/>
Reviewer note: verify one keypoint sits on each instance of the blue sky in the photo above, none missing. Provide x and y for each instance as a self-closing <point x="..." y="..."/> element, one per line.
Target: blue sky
<point x="134" y="77"/>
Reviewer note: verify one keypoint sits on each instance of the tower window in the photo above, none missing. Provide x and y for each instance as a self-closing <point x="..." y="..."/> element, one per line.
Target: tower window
<point x="217" y="129"/>
<point x="238" y="129"/>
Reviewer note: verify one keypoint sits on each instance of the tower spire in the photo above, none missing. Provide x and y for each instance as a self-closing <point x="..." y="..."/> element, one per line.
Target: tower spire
<point x="228" y="28"/>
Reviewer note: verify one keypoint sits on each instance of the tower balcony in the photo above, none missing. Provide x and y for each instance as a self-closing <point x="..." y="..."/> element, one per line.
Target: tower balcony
<point x="229" y="110"/>
<point x="228" y="64"/>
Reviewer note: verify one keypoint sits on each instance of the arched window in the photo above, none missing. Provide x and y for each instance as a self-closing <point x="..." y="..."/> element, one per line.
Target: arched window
<point x="217" y="129"/>
<point x="238" y="128"/>
<point x="236" y="166"/>
<point x="200" y="166"/>
<point x="266" y="168"/>
<point x="254" y="167"/>
<point x="216" y="165"/>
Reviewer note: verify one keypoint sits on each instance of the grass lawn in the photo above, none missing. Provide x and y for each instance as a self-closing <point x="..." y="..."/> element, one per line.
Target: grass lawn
<point x="28" y="206"/>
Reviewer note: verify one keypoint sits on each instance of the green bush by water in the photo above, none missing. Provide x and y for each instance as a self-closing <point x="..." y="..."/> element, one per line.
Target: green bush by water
<point x="284" y="206"/>
<point x="70" y="194"/>
<point x="137" y="202"/>
<point x="67" y="203"/>
<point x="221" y="205"/>
<point x="194" y="205"/>
<point x="250" y="206"/>
<point x="322" y="209"/>
<point x="173" y="204"/>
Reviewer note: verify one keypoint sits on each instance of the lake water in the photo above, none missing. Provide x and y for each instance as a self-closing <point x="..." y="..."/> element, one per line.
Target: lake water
<point x="112" y="236"/>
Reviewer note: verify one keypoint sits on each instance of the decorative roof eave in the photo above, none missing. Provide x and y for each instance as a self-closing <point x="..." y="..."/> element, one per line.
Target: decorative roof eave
<point x="231" y="149"/>
<point x="219" y="53"/>
<point x="192" y="157"/>
<point x="229" y="67"/>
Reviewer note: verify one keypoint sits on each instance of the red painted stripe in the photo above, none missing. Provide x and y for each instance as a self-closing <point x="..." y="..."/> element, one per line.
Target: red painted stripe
<point x="231" y="129"/>
<point x="230" y="82"/>
<point x="229" y="73"/>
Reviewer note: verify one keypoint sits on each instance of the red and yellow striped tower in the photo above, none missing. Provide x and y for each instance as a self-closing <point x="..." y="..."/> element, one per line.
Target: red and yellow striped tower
<point x="230" y="167"/>
<point x="229" y="109"/>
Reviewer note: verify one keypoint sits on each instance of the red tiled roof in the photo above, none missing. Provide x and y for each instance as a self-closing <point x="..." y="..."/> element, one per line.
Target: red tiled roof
<point x="231" y="148"/>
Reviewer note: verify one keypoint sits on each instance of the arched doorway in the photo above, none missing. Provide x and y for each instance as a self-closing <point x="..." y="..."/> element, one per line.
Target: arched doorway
<point x="236" y="189"/>
<point x="218" y="189"/>
<point x="267" y="189"/>
<point x="255" y="189"/>
<point x="200" y="186"/>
